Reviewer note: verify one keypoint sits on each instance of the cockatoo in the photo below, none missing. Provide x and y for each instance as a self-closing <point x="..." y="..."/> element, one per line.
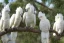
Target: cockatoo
<point x="44" y="27"/>
<point x="15" y="22"/>
<point x="29" y="17"/>
<point x="4" y="23"/>
<point x="59" y="24"/>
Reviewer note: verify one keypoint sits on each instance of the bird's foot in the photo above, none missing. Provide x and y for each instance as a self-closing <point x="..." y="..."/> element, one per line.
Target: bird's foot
<point x="27" y="26"/>
<point x="6" y="29"/>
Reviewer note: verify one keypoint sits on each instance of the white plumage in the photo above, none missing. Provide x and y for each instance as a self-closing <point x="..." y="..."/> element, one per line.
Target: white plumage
<point x="12" y="20"/>
<point x="4" y="23"/>
<point x="29" y="17"/>
<point x="1" y="24"/>
<point x="15" y="22"/>
<point x="59" y="24"/>
<point x="44" y="27"/>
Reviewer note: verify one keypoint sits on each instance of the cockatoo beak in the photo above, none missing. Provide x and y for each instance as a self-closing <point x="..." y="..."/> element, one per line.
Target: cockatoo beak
<point x="40" y="17"/>
<point x="9" y="10"/>
<point x="35" y="12"/>
<point x="26" y="10"/>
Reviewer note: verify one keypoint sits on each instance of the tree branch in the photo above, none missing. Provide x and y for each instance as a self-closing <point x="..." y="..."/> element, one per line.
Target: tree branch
<point x="44" y="6"/>
<point x="20" y="29"/>
<point x="24" y="29"/>
<point x="29" y="29"/>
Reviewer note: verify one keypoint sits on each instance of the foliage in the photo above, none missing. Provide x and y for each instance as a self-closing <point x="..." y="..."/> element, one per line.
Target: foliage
<point x="6" y="1"/>
<point x="33" y="37"/>
<point x="13" y="7"/>
<point x="1" y="6"/>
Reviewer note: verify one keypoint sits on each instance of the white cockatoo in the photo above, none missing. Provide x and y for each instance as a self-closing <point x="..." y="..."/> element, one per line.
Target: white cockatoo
<point x="15" y="22"/>
<point x="29" y="17"/>
<point x="44" y="27"/>
<point x="4" y="23"/>
<point x="59" y="24"/>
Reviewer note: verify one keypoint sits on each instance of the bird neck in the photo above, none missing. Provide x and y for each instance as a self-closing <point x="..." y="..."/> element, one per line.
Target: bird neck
<point x="5" y="15"/>
<point x="30" y="11"/>
<point x="43" y="19"/>
<point x="18" y="14"/>
<point x="60" y="19"/>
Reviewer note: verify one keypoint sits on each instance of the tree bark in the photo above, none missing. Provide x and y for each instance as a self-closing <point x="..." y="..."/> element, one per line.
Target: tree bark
<point x="24" y="29"/>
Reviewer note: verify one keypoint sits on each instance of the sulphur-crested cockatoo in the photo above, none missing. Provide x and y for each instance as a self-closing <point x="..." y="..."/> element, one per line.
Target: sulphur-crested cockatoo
<point x="4" y="23"/>
<point x="44" y="27"/>
<point x="15" y="22"/>
<point x="29" y="17"/>
<point x="59" y="24"/>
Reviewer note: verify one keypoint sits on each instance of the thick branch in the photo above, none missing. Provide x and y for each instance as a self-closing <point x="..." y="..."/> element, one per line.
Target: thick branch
<point x="25" y="29"/>
<point x="20" y="29"/>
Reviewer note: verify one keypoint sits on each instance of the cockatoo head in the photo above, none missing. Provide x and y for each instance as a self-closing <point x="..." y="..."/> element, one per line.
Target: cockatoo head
<point x="6" y="9"/>
<point x="41" y="15"/>
<point x="30" y="8"/>
<point x="59" y="16"/>
<point x="27" y="6"/>
<point x="19" y="10"/>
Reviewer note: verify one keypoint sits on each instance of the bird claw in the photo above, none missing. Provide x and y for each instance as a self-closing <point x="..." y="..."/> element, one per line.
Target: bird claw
<point x="27" y="27"/>
<point x="6" y="29"/>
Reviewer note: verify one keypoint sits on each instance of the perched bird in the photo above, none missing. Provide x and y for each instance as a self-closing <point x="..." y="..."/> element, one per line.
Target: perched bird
<point x="4" y="23"/>
<point x="44" y="26"/>
<point x="15" y="22"/>
<point x="29" y="17"/>
<point x="59" y="24"/>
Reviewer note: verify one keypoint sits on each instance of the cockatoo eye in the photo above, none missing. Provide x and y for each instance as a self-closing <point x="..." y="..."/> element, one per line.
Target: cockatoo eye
<point x="40" y="17"/>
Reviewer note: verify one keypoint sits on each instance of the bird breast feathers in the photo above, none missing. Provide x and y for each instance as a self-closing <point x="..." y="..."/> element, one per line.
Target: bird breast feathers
<point x="17" y="21"/>
<point x="30" y="16"/>
<point x="60" y="24"/>
<point x="44" y="25"/>
<point x="12" y="20"/>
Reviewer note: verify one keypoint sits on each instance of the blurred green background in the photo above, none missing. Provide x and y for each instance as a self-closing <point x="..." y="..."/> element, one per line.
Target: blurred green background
<point x="49" y="7"/>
